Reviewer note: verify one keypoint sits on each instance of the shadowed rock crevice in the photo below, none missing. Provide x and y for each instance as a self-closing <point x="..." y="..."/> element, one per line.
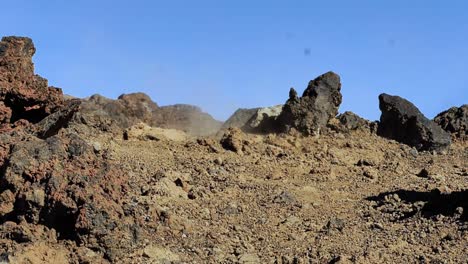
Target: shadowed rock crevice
<point x="426" y="204"/>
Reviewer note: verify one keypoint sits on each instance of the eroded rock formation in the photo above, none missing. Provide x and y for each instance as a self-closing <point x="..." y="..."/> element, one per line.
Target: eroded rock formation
<point x="319" y="103"/>
<point x="402" y="121"/>
<point x="454" y="121"/>
<point x="23" y="94"/>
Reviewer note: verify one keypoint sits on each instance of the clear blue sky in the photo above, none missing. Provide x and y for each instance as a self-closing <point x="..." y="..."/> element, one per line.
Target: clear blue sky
<point x="222" y="55"/>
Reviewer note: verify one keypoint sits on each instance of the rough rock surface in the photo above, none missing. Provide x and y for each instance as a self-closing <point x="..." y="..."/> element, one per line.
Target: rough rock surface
<point x="239" y="118"/>
<point x="23" y="94"/>
<point x="255" y="120"/>
<point x="402" y="121"/>
<point x="319" y="103"/>
<point x="455" y="121"/>
<point x="131" y="109"/>
<point x="188" y="118"/>
<point x="127" y="110"/>
<point x="74" y="190"/>
<point x="349" y="121"/>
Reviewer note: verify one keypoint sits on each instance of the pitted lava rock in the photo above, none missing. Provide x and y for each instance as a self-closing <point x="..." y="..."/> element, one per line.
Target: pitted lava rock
<point x="455" y="121"/>
<point x="23" y="94"/>
<point x="319" y="103"/>
<point x="402" y="121"/>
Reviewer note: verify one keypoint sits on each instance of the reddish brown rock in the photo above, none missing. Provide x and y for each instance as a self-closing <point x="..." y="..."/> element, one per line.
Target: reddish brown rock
<point x="23" y="94"/>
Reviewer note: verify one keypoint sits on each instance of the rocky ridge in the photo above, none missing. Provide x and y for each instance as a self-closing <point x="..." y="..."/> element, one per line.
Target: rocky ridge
<point x="94" y="181"/>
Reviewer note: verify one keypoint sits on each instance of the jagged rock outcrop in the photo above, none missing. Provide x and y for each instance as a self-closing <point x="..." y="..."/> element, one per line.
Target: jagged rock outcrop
<point x="319" y="103"/>
<point x="403" y="122"/>
<point x="50" y="174"/>
<point x="454" y="121"/>
<point x="23" y="94"/>
<point x="255" y="120"/>
<point x="60" y="182"/>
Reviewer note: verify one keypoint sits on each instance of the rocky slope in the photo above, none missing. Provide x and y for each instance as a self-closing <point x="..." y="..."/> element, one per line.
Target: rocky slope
<point x="131" y="109"/>
<point x="118" y="181"/>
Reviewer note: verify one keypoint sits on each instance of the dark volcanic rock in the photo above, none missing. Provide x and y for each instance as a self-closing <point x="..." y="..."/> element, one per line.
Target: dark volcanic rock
<point x="454" y="120"/>
<point x="50" y="175"/>
<point x="318" y="104"/>
<point x="351" y="121"/>
<point x="60" y="182"/>
<point x="403" y="122"/>
<point x="23" y="95"/>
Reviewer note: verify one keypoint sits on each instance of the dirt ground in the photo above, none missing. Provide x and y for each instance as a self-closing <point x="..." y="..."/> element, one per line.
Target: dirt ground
<point x="341" y="198"/>
<point x="354" y="198"/>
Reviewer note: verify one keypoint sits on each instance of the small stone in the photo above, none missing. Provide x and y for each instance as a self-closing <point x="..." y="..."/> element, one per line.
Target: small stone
<point x="413" y="152"/>
<point x="218" y="161"/>
<point x="335" y="223"/>
<point x="371" y="173"/>
<point x="97" y="147"/>
<point x="377" y="226"/>
<point x="284" y="197"/>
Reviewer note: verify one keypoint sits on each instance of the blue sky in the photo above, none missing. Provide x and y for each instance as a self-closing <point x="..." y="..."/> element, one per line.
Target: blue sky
<point x="222" y="55"/>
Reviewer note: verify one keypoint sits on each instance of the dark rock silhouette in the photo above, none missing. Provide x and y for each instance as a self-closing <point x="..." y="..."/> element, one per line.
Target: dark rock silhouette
<point x="454" y="120"/>
<point x="318" y="104"/>
<point x="403" y="122"/>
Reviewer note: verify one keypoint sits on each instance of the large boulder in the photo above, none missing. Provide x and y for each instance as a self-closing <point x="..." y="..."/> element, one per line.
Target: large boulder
<point x="403" y="122"/>
<point x="255" y="120"/>
<point x="455" y="121"/>
<point x="319" y="103"/>
<point x="240" y="117"/>
<point x="23" y="95"/>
